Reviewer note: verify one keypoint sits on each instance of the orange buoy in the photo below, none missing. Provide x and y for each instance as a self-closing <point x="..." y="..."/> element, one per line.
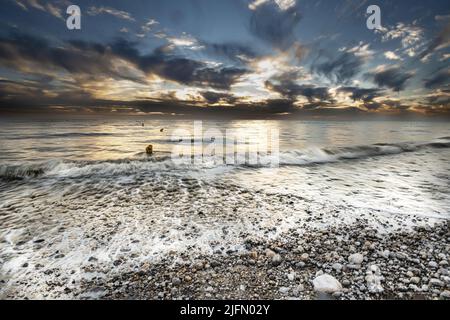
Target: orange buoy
<point x="149" y="149"/>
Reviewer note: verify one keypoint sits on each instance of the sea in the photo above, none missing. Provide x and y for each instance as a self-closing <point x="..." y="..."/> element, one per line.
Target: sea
<point x="73" y="191"/>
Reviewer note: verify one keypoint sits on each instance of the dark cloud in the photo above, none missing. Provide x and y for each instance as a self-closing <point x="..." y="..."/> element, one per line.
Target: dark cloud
<point x="182" y="70"/>
<point x="364" y="94"/>
<point x="442" y="39"/>
<point x="292" y="90"/>
<point x="233" y="51"/>
<point x="214" y="97"/>
<point x="440" y="79"/>
<point x="340" y="69"/>
<point x="94" y="59"/>
<point x="20" y="50"/>
<point x="393" y="77"/>
<point x="275" y="26"/>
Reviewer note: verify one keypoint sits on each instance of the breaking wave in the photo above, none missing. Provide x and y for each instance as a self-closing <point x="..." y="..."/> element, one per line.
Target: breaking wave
<point x="142" y="163"/>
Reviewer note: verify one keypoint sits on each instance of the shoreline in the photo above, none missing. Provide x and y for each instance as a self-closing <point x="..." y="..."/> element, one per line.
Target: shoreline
<point x="399" y="265"/>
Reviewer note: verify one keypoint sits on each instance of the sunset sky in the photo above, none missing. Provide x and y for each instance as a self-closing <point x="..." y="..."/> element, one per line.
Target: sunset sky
<point x="269" y="58"/>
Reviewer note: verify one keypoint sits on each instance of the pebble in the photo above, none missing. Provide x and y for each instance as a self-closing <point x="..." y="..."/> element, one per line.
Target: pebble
<point x="284" y="290"/>
<point x="276" y="260"/>
<point x="326" y="284"/>
<point x="356" y="258"/>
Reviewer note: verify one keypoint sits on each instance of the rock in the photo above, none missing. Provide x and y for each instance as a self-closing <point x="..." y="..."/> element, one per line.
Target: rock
<point x="270" y="254"/>
<point x="445" y="295"/>
<point x="284" y="290"/>
<point x="415" y="280"/>
<point x="176" y="281"/>
<point x="276" y="260"/>
<point x="149" y="149"/>
<point x="297" y="290"/>
<point x="346" y="283"/>
<point x="253" y="255"/>
<point x="385" y="254"/>
<point x="436" y="283"/>
<point x="373" y="279"/>
<point x="433" y="264"/>
<point x="291" y="276"/>
<point x="356" y="258"/>
<point x="337" y="266"/>
<point x="401" y="256"/>
<point x="304" y="257"/>
<point x="327" y="284"/>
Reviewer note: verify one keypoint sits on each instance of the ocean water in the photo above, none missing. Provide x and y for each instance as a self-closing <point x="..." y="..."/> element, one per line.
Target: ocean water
<point x="74" y="190"/>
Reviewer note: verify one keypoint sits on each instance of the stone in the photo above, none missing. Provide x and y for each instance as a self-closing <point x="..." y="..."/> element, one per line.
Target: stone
<point x="385" y="254"/>
<point x="270" y="254"/>
<point x="436" y="283"/>
<point x="356" y="258"/>
<point x="326" y="284"/>
<point x="373" y="279"/>
<point x="445" y="295"/>
<point x="304" y="257"/>
<point x="284" y="290"/>
<point x="337" y="266"/>
<point x="415" y="280"/>
<point x="276" y="260"/>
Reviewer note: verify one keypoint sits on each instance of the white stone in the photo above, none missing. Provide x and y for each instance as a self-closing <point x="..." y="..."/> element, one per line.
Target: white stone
<point x="385" y="254"/>
<point x="291" y="276"/>
<point x="327" y="284"/>
<point x="356" y="258"/>
<point x="373" y="279"/>
<point x="284" y="290"/>
<point x="337" y="266"/>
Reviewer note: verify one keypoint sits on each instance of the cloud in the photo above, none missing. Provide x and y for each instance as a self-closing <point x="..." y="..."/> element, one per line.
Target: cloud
<point x="118" y="60"/>
<point x="442" y="17"/>
<point x="94" y="11"/>
<point x="408" y="34"/>
<point x="441" y="41"/>
<point x="179" y="69"/>
<point x="29" y="54"/>
<point x="291" y="90"/>
<point x="392" y="77"/>
<point x="282" y="4"/>
<point x="390" y="55"/>
<point x="212" y="97"/>
<point x="233" y="51"/>
<point x="147" y="27"/>
<point x="274" y="25"/>
<point x="438" y="80"/>
<point x="364" y="94"/>
<point x="339" y="69"/>
<point x="46" y="7"/>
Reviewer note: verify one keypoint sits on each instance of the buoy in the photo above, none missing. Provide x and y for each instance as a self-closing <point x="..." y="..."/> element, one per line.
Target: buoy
<point x="149" y="149"/>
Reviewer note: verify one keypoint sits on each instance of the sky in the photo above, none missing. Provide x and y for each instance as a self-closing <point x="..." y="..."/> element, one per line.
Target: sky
<point x="238" y="58"/>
